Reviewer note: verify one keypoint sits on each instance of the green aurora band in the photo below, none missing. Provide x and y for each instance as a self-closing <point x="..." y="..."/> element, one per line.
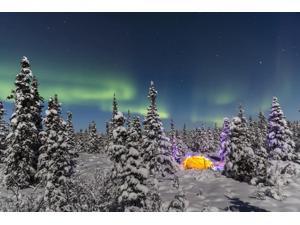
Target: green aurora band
<point x="90" y="90"/>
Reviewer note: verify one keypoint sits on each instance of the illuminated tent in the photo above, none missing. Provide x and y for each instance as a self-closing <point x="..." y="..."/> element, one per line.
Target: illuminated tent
<point x="197" y="162"/>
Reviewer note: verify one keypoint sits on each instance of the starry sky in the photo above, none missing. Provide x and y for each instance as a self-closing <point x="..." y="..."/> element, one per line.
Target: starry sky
<point x="203" y="64"/>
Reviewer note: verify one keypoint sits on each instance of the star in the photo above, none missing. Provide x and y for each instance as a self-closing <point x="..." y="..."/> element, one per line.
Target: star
<point x="260" y="62"/>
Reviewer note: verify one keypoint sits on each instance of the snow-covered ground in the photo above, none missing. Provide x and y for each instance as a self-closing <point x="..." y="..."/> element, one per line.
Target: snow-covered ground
<point x="204" y="190"/>
<point x="211" y="189"/>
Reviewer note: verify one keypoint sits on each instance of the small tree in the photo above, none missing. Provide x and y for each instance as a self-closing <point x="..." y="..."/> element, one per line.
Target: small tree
<point x="241" y="114"/>
<point x="56" y="163"/>
<point x="225" y="139"/>
<point x="70" y="134"/>
<point x="128" y="120"/>
<point x="119" y="136"/>
<point x="178" y="204"/>
<point x="262" y="129"/>
<point x="280" y="143"/>
<point x="184" y="134"/>
<point x="110" y="125"/>
<point x="134" y="195"/>
<point x="115" y="106"/>
<point x="93" y="143"/>
<point x="241" y="162"/>
<point x="179" y="148"/>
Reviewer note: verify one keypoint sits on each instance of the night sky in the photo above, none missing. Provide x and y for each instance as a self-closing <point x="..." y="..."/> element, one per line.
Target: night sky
<point x="203" y="64"/>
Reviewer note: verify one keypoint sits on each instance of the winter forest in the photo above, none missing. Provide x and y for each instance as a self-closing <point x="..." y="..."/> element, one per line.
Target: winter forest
<point x="138" y="165"/>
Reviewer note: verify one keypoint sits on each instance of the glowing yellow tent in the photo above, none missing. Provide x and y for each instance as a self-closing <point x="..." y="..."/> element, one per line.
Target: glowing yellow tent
<point x="197" y="162"/>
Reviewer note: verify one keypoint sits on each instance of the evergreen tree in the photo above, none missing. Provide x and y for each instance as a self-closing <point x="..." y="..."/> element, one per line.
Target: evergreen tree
<point x="136" y="125"/>
<point x="178" y="204"/>
<point x="196" y="140"/>
<point x="56" y="163"/>
<point x="20" y="160"/>
<point x="116" y="148"/>
<point x="156" y="146"/>
<point x="184" y="134"/>
<point x="133" y="193"/>
<point x="70" y="134"/>
<point x="280" y="143"/>
<point x="117" y="145"/>
<point x="115" y="106"/>
<point x="93" y="143"/>
<point x="128" y="120"/>
<point x="216" y="138"/>
<point x="252" y="130"/>
<point x="241" y="114"/>
<point x="204" y="140"/>
<point x="179" y="148"/>
<point x="210" y="140"/>
<point x="175" y="151"/>
<point x="3" y="132"/>
<point x="262" y="130"/>
<point x="241" y="162"/>
<point x="110" y="125"/>
<point x="225" y="139"/>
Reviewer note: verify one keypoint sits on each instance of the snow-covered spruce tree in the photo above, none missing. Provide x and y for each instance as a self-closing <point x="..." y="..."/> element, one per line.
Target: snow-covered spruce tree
<point x="3" y="132"/>
<point x="241" y="162"/>
<point x="204" y="140"/>
<point x="175" y="151"/>
<point x="184" y="134"/>
<point x="257" y="135"/>
<point x="252" y="127"/>
<point x="241" y="114"/>
<point x="210" y="140"/>
<point x="156" y="146"/>
<point x="179" y="203"/>
<point x="110" y="124"/>
<point x="262" y="130"/>
<point x="225" y="139"/>
<point x="195" y="140"/>
<point x="20" y="160"/>
<point x="70" y="134"/>
<point x="80" y="141"/>
<point x="117" y="145"/>
<point x="93" y="142"/>
<point x="128" y="119"/>
<point x="133" y="193"/>
<point x="115" y="106"/>
<point x="117" y="149"/>
<point x="280" y="143"/>
<point x="179" y="148"/>
<point x="136" y="124"/>
<point x="56" y="162"/>
<point x="216" y="138"/>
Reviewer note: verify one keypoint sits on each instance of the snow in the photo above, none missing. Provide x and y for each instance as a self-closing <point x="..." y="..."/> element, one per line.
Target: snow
<point x="204" y="190"/>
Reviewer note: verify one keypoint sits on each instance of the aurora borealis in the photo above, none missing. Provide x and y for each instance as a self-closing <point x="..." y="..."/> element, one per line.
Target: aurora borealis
<point x="203" y="64"/>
